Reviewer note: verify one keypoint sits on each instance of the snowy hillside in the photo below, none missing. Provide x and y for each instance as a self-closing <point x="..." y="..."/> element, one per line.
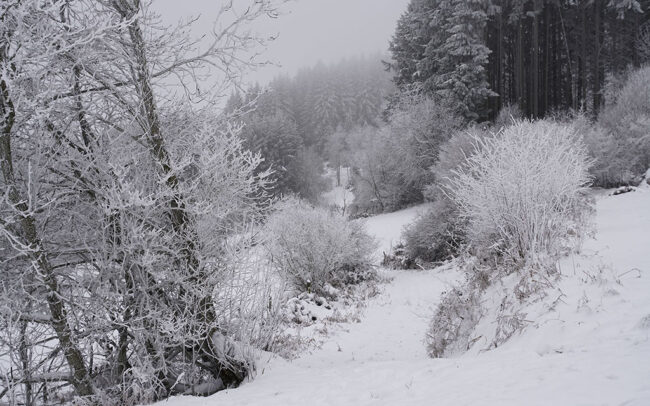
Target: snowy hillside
<point x="592" y="349"/>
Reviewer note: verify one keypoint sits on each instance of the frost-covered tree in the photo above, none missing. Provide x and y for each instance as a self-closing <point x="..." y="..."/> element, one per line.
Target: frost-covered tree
<point x="408" y="44"/>
<point x="541" y="56"/>
<point x="324" y="98"/>
<point x="276" y="138"/>
<point x="393" y="163"/>
<point x="461" y="58"/>
<point x="439" y="46"/>
<point x="118" y="270"/>
<point x="620" y="139"/>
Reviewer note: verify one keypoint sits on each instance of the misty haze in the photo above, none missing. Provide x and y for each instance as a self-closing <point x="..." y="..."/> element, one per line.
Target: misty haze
<point x="324" y="202"/>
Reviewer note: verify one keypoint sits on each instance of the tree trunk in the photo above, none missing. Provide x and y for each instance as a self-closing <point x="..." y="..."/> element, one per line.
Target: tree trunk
<point x="547" y="58"/>
<point x="535" y="61"/>
<point x="59" y="319"/>
<point x="596" y="68"/>
<point x="519" y="69"/>
<point x="24" y="360"/>
<point x="584" y="45"/>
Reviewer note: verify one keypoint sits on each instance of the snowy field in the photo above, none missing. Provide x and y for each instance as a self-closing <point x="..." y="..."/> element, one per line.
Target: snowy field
<point x="592" y="349"/>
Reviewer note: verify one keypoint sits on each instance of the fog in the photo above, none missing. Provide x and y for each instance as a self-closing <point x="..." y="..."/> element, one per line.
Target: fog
<point x="307" y="31"/>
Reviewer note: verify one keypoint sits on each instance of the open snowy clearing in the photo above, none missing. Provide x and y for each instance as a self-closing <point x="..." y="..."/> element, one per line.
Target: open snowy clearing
<point x="593" y="349"/>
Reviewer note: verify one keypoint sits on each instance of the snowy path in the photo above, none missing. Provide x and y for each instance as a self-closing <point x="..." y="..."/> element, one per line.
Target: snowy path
<point x="371" y="363"/>
<point x="599" y="357"/>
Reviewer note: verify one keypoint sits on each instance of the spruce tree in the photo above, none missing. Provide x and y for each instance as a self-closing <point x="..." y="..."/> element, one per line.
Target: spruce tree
<point x="461" y="58"/>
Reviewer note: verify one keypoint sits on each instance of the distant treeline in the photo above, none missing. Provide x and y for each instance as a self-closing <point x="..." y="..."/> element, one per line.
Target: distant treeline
<point x="543" y="56"/>
<point x="291" y="122"/>
<point x="324" y="98"/>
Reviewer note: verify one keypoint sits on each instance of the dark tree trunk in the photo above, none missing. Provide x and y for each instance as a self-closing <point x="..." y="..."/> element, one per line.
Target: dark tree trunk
<point x="535" y="60"/>
<point x="59" y="318"/>
<point x="597" y="76"/>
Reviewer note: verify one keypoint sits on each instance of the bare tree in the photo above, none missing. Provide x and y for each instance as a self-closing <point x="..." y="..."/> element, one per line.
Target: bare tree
<point x="124" y="220"/>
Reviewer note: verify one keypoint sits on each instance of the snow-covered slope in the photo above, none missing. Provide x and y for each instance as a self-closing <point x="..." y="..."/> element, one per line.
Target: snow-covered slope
<point x="594" y="349"/>
<point x="387" y="228"/>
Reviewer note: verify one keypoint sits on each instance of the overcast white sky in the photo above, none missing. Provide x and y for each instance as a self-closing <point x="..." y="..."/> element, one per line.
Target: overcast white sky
<point x="309" y="30"/>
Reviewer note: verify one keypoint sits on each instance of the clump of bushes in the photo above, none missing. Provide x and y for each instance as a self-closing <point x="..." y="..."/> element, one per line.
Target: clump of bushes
<point x="316" y="249"/>
<point x="620" y="139"/>
<point x="437" y="234"/>
<point x="392" y="163"/>
<point x="508" y="115"/>
<point x="522" y="194"/>
<point x="520" y="203"/>
<point x="458" y="313"/>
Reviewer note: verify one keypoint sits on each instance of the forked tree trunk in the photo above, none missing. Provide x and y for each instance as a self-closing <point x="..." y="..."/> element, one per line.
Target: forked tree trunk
<point x="205" y="316"/>
<point x="59" y="319"/>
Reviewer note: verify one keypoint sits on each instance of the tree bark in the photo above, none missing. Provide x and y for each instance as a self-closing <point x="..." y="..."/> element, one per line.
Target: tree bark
<point x="596" y="68"/>
<point x="535" y="60"/>
<point x="80" y="377"/>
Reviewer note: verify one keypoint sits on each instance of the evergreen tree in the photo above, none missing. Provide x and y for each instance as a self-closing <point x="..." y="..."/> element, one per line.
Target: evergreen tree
<point x="541" y="56"/>
<point x="409" y="43"/>
<point x="462" y="57"/>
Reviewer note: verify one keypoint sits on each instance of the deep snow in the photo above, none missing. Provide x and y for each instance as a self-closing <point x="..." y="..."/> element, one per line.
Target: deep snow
<point x="593" y="349"/>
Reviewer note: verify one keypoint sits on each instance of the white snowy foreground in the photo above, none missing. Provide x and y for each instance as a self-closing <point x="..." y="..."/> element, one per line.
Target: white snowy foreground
<point x="593" y="349"/>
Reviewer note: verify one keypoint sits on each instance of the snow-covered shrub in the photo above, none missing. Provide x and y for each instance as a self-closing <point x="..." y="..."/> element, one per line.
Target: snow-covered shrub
<point x="613" y="157"/>
<point x="621" y="145"/>
<point x="455" y="318"/>
<point x="394" y="162"/>
<point x="458" y="313"/>
<point x="398" y="258"/>
<point x="251" y="297"/>
<point x="508" y="115"/>
<point x="522" y="193"/>
<point x="435" y="235"/>
<point x="316" y="249"/>
<point x="453" y="153"/>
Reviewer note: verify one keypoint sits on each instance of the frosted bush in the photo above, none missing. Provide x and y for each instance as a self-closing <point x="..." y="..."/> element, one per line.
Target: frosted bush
<point x="614" y="158"/>
<point x="435" y="235"/>
<point x="438" y="234"/>
<point x="316" y="249"/>
<point x="394" y="162"/>
<point x="522" y="193"/>
<point x="508" y="115"/>
<point x="453" y="322"/>
<point x="622" y="146"/>
<point x="459" y="311"/>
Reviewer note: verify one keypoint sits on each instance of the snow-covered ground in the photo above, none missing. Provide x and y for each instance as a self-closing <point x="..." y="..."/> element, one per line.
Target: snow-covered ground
<point x="387" y="228"/>
<point x="593" y="349"/>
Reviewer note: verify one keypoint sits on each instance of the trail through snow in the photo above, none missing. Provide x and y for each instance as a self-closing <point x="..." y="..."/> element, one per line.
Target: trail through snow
<point x="600" y="357"/>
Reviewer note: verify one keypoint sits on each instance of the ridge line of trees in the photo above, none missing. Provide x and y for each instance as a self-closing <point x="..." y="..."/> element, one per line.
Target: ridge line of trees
<point x="542" y="56"/>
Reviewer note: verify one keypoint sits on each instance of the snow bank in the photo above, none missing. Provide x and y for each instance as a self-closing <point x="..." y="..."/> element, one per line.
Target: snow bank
<point x="592" y="349"/>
